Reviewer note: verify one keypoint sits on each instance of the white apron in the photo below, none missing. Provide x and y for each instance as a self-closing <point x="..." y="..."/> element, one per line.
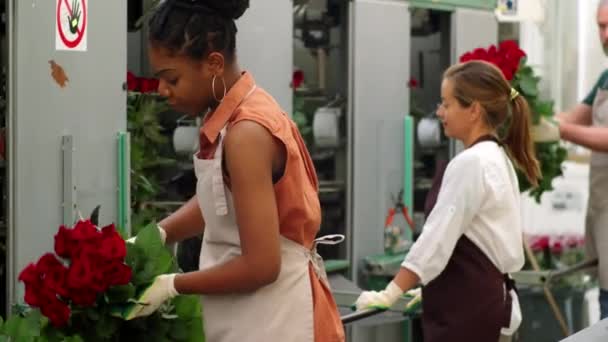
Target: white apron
<point x="597" y="207"/>
<point x="281" y="311"/>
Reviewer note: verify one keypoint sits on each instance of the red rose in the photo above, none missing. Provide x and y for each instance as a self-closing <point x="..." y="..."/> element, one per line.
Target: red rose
<point x="118" y="273"/>
<point x="84" y="230"/>
<point x="56" y="311"/>
<point x="508" y="74"/>
<point x="297" y="79"/>
<point x="480" y="53"/>
<point x="466" y="57"/>
<point x="101" y="280"/>
<point x="39" y="295"/>
<point x="413" y="83"/>
<point x="84" y="297"/>
<point x="112" y="246"/>
<point x="143" y="85"/>
<point x="571" y="241"/>
<point x="154" y="83"/>
<point x="148" y="85"/>
<point x="33" y="294"/>
<point x="64" y="243"/>
<point x="80" y="274"/>
<point x="56" y="280"/>
<point x="492" y="51"/>
<point x="47" y="262"/>
<point x="55" y="274"/>
<point x="30" y="275"/>
<point x="540" y="243"/>
<point x="508" y="45"/>
<point x="132" y="81"/>
<point x="557" y="248"/>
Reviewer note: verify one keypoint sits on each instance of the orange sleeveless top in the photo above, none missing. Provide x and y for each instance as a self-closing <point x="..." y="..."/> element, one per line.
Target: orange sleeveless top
<point x="296" y="192"/>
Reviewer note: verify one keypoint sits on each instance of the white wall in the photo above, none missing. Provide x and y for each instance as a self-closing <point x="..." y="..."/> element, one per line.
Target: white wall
<point x="552" y="48"/>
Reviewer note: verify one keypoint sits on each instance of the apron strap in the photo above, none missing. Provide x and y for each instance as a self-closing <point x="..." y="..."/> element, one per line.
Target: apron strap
<point x="219" y="189"/>
<point x="333" y="239"/>
<point x="317" y="260"/>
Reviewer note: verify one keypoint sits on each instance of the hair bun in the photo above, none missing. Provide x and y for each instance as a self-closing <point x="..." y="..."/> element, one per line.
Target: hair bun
<point x="232" y="9"/>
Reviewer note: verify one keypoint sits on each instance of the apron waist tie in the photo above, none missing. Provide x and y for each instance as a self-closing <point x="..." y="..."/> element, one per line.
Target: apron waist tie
<point x="510" y="283"/>
<point x="317" y="260"/>
<point x="509" y="286"/>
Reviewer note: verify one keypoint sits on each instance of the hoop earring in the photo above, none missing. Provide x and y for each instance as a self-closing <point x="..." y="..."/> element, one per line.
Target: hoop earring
<point x="213" y="88"/>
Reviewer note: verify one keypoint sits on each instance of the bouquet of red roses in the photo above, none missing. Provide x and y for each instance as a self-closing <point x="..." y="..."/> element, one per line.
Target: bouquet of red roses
<point x="507" y="57"/>
<point x="511" y="60"/>
<point x="91" y="261"/>
<point x="83" y="291"/>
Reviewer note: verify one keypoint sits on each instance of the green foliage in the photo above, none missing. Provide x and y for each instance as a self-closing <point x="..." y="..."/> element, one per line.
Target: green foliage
<point x="303" y="120"/>
<point x="550" y="155"/>
<point x="147" y="143"/>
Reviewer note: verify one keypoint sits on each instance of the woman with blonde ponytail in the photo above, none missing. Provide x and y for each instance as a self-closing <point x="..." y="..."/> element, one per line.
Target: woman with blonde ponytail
<point x="472" y="238"/>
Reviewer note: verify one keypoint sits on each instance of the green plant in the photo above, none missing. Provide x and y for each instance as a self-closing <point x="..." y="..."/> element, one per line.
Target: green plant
<point x="147" y="143"/>
<point x="550" y="155"/>
<point x="303" y="120"/>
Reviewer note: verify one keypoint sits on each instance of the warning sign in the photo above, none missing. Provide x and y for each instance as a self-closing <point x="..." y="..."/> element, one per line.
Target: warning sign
<point x="71" y="30"/>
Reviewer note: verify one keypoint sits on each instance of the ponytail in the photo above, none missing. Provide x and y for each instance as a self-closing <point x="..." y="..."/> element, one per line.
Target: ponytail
<point x="518" y="140"/>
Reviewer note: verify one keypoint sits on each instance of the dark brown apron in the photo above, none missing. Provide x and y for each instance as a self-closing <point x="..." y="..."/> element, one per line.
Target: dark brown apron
<point x="467" y="301"/>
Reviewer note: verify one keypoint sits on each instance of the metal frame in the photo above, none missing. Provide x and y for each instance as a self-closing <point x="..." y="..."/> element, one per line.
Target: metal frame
<point x="68" y="204"/>
<point x="124" y="181"/>
<point x="11" y="165"/>
<point x="543" y="278"/>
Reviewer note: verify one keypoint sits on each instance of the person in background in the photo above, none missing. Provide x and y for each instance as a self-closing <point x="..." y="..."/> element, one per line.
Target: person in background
<point x="587" y="125"/>
<point x="256" y="199"/>
<point x="472" y="238"/>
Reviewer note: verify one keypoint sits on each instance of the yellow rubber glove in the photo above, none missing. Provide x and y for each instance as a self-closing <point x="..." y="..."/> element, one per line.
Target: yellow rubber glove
<point x="379" y="299"/>
<point x="161" y="290"/>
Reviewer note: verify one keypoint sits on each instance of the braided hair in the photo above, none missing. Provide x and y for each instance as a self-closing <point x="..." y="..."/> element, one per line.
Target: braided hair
<point x="195" y="28"/>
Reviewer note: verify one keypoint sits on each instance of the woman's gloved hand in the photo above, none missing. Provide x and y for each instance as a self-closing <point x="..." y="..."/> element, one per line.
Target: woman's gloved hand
<point x="379" y="299"/>
<point x="161" y="230"/>
<point x="161" y="290"/>
<point x="545" y="131"/>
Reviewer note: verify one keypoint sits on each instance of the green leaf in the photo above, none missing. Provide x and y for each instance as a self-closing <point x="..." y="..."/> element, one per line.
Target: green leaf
<point x="106" y="327"/>
<point x="529" y="85"/>
<point x="525" y="71"/>
<point x="153" y="258"/>
<point x="188" y="306"/>
<point x="120" y="294"/>
<point x="179" y="331"/>
<point x="92" y="314"/>
<point x="545" y="108"/>
<point x="28" y="326"/>
<point x="196" y="330"/>
<point x="149" y="240"/>
<point x="75" y="338"/>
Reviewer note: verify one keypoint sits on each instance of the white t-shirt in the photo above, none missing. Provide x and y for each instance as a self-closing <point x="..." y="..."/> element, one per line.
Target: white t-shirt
<point x="479" y="197"/>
